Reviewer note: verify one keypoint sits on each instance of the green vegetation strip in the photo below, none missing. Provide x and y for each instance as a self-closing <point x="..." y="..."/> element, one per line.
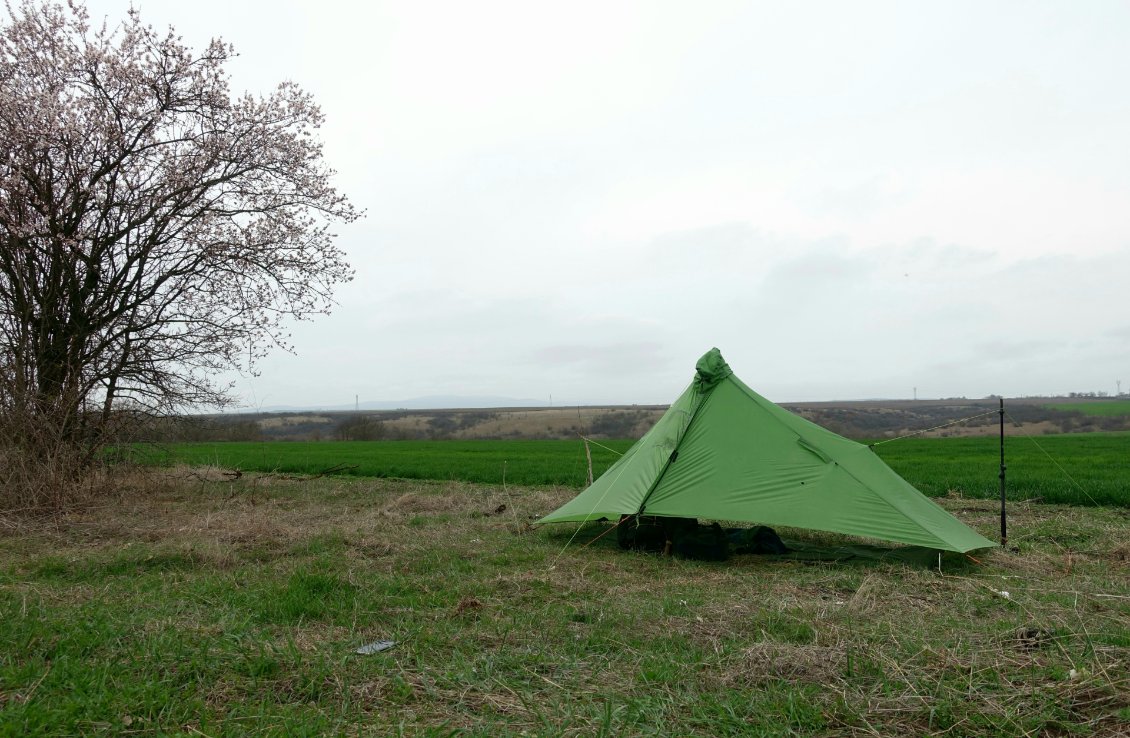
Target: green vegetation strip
<point x="1079" y="469"/>
<point x="191" y="607"/>
<point x="1102" y="408"/>
<point x="515" y="462"/>
<point x="1075" y="469"/>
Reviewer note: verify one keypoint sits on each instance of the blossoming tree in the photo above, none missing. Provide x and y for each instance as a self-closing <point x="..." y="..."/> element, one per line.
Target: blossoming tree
<point x="155" y="229"/>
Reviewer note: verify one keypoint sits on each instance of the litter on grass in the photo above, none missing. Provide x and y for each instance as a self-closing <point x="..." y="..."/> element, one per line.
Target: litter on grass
<point x="375" y="647"/>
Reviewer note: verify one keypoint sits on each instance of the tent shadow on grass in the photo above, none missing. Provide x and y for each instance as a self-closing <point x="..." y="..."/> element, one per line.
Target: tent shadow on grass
<point x="804" y="546"/>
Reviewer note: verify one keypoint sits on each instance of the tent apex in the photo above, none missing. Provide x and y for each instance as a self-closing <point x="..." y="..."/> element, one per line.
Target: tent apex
<point x="711" y="369"/>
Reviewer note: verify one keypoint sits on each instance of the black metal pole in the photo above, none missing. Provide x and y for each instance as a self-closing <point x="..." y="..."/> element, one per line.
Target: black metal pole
<point x="1004" y="522"/>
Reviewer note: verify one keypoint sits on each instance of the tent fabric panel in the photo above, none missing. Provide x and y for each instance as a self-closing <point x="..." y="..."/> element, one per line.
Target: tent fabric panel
<point x="903" y="497"/>
<point x="734" y="463"/>
<point x="872" y="472"/>
<point x="622" y="488"/>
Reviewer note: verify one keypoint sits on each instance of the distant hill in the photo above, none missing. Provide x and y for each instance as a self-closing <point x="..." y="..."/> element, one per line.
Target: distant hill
<point x="507" y="418"/>
<point x="429" y="402"/>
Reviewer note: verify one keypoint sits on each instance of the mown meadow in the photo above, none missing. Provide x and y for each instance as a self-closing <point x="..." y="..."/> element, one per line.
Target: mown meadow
<point x="1082" y="469"/>
<point x="198" y="604"/>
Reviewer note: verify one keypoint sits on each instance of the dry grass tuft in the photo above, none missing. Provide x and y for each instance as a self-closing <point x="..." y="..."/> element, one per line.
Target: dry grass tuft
<point x="468" y="606"/>
<point x="770" y="662"/>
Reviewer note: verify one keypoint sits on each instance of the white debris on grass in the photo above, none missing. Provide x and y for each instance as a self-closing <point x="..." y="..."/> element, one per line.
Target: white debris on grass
<point x="375" y="647"/>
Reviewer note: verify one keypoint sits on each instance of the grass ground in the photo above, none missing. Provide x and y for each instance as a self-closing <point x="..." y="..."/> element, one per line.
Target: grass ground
<point x="198" y="606"/>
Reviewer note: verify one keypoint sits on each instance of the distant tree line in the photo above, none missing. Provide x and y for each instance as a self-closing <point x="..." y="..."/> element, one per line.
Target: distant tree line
<point x="620" y="424"/>
<point x="870" y="423"/>
<point x="861" y="423"/>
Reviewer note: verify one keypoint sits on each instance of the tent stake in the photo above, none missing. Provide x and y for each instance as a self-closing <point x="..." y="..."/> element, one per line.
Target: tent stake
<point x="1004" y="521"/>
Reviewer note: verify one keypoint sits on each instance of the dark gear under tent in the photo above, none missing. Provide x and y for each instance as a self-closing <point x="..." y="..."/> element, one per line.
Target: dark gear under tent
<point x="723" y="452"/>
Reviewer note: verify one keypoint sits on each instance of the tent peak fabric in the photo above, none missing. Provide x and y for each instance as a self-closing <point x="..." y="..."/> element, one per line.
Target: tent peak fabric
<point x="723" y="452"/>
<point x="711" y="369"/>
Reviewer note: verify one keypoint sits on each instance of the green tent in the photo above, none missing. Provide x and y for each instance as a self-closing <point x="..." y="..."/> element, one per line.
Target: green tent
<point x="724" y="452"/>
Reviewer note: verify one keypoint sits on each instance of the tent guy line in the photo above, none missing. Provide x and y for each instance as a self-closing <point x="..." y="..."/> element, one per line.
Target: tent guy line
<point x="1054" y="461"/>
<point x="601" y="445"/>
<point x="582" y="523"/>
<point x="927" y="430"/>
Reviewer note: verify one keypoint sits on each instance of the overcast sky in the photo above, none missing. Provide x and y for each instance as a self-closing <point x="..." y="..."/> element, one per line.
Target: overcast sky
<point x="850" y="200"/>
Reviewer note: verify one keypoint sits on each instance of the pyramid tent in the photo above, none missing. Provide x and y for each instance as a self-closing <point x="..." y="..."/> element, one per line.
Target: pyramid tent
<point x="723" y="452"/>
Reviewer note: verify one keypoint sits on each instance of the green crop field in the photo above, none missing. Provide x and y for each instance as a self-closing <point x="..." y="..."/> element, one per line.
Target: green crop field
<point x="1078" y="469"/>
<point x="1081" y="469"/>
<point x="515" y="462"/>
<point x="1104" y="409"/>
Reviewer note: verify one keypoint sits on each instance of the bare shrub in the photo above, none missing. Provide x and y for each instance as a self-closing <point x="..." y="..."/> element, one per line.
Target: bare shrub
<point x="39" y="469"/>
